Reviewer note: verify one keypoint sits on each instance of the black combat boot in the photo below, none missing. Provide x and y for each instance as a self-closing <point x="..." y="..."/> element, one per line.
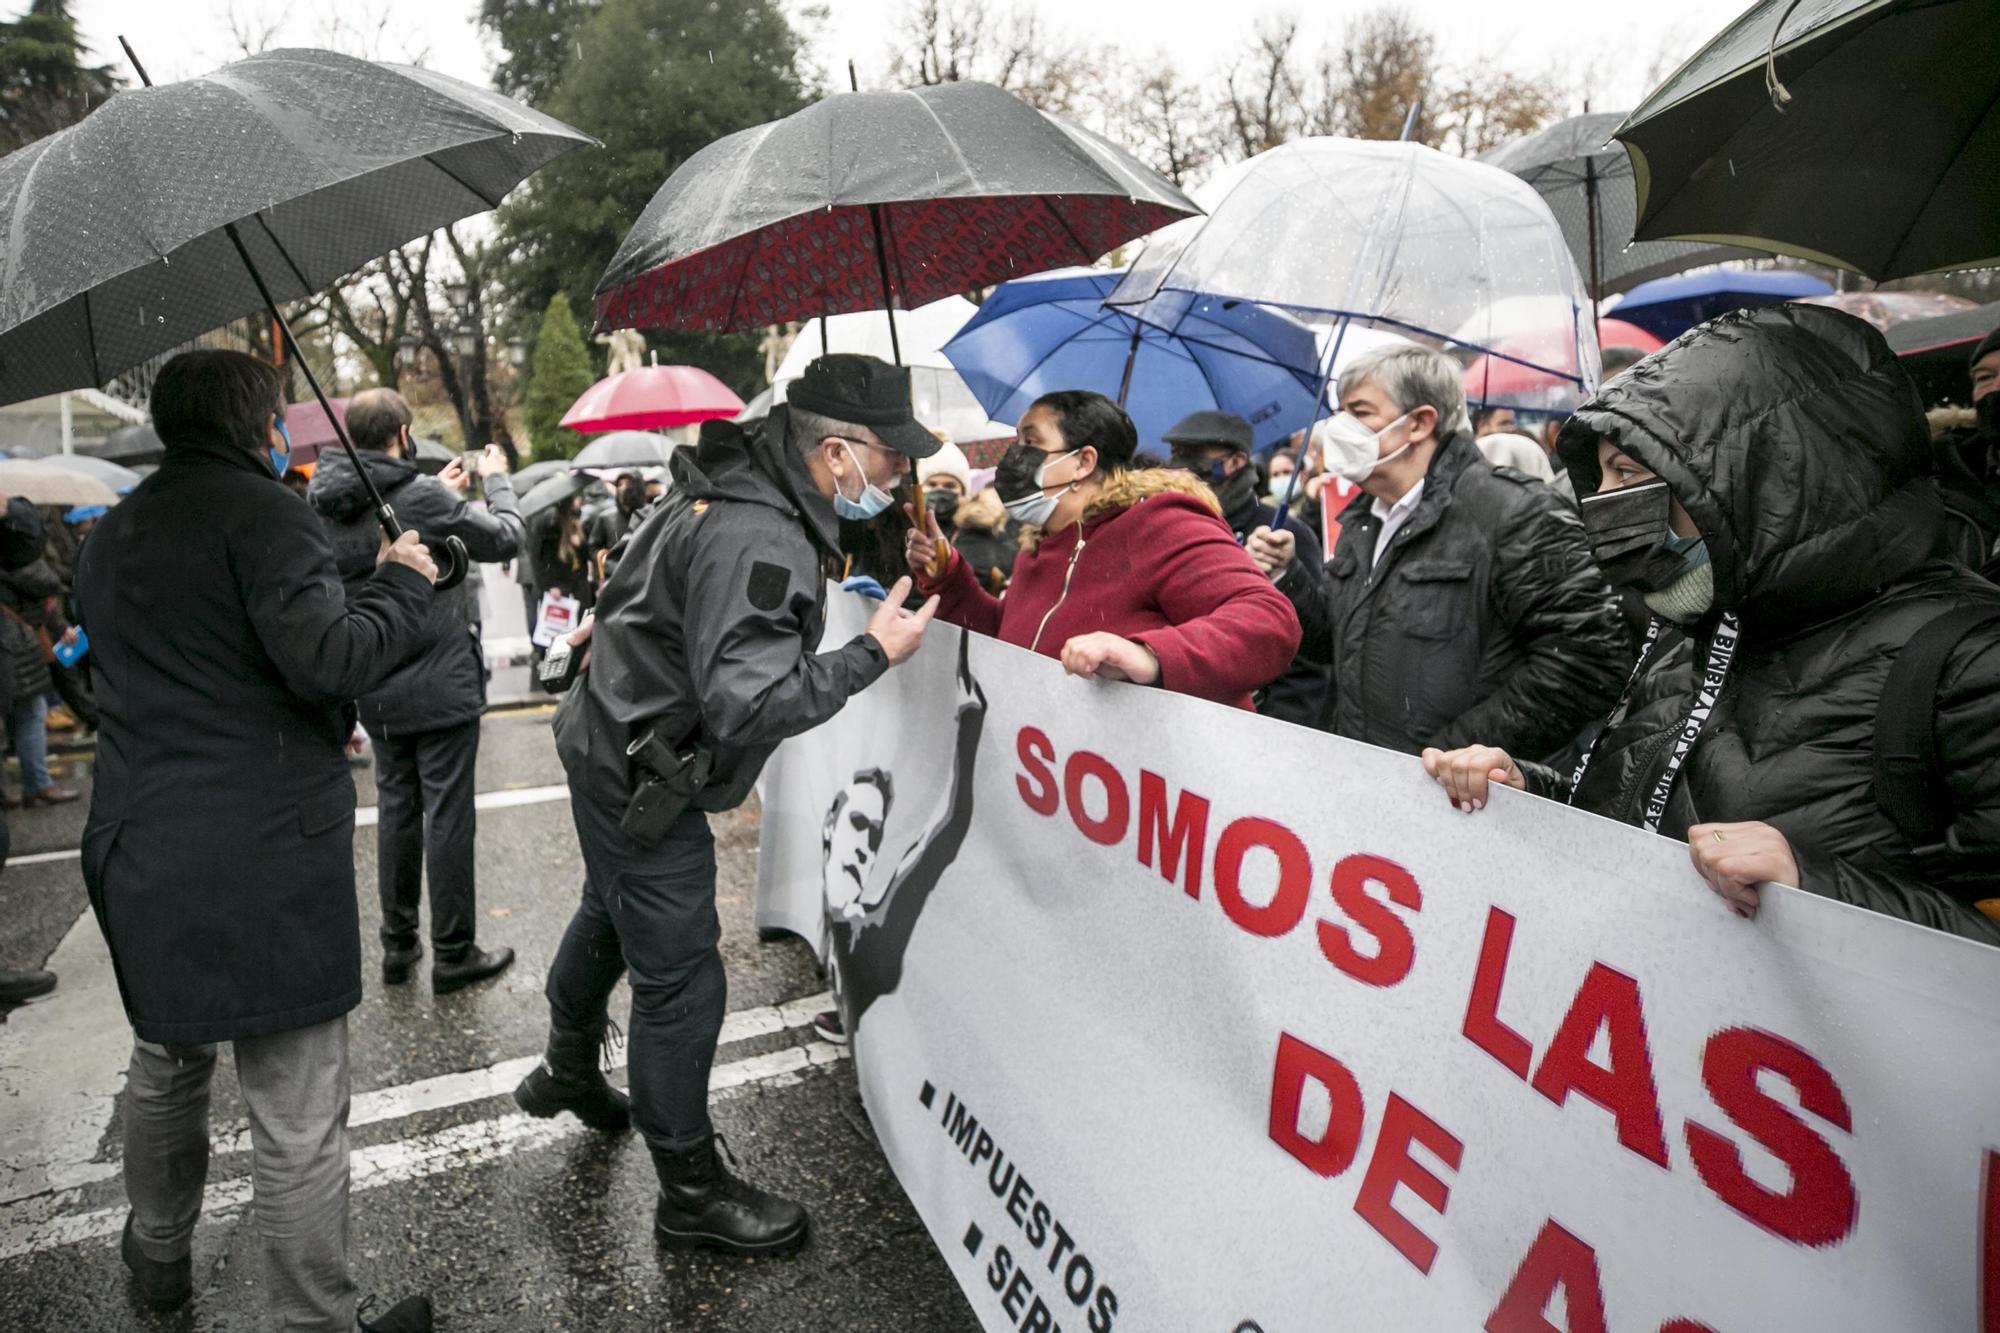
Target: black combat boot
<point x="568" y="1079"/>
<point x="701" y="1203"/>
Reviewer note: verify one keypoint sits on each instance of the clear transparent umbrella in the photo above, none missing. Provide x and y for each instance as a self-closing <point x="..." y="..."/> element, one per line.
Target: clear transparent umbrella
<point x="1385" y="235"/>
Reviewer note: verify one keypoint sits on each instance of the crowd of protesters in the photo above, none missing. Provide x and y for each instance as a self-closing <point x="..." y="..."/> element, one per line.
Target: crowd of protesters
<point x="1731" y="598"/>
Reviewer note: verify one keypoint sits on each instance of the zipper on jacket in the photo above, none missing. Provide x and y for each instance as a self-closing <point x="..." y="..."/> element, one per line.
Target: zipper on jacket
<point x="1068" y="574"/>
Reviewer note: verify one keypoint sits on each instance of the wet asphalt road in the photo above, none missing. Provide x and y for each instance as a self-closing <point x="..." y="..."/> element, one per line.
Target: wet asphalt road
<point x="509" y="1223"/>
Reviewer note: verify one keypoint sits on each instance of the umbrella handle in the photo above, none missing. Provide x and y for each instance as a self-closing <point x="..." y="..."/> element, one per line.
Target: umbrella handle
<point x="454" y="562"/>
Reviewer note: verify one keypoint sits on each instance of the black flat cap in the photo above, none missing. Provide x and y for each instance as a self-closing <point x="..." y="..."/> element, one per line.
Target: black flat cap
<point x="864" y="391"/>
<point x="1210" y="427"/>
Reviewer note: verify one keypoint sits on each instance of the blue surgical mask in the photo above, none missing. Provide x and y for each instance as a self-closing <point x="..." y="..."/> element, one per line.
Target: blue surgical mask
<point x="873" y="499"/>
<point x="281" y="458"/>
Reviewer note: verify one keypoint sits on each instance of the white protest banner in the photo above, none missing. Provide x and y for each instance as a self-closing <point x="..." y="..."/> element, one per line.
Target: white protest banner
<point x="1172" y="1017"/>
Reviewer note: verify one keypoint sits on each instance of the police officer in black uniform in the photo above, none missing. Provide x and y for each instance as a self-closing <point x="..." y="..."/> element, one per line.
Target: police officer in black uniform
<point x="702" y="659"/>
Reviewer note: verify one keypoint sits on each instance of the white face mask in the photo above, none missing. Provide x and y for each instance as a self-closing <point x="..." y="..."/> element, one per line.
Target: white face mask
<point x="1351" y="450"/>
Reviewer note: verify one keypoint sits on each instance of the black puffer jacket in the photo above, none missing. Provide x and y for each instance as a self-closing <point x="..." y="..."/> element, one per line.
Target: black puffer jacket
<point x="445" y="683"/>
<point x="1486" y="619"/>
<point x="1797" y="444"/>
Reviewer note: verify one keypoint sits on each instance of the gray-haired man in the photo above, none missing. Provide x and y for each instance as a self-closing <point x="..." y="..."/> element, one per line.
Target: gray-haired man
<point x="1461" y="599"/>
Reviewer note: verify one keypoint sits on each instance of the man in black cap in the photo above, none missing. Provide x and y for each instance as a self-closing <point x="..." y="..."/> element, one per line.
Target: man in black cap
<point x="702" y="659"/>
<point x="1215" y="446"/>
<point x="1968" y="466"/>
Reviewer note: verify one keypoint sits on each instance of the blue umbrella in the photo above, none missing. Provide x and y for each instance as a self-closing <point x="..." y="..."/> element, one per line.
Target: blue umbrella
<point x="1052" y="331"/>
<point x="1669" y="307"/>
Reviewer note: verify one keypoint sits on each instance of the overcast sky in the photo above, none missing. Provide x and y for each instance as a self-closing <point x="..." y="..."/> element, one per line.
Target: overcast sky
<point x="1607" y="47"/>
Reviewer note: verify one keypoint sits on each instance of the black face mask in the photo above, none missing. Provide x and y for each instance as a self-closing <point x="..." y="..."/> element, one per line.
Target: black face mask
<point x="943" y="505"/>
<point x="1018" y="474"/>
<point x="1627" y="530"/>
<point x="1986" y="415"/>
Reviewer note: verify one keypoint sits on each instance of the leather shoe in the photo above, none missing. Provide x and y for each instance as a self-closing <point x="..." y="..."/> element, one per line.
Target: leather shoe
<point x="163" y="1286"/>
<point x="412" y="1314"/>
<point x="19" y="987"/>
<point x="703" y="1204"/>
<point x="52" y="796"/>
<point x="448" y="975"/>
<point x="397" y="964"/>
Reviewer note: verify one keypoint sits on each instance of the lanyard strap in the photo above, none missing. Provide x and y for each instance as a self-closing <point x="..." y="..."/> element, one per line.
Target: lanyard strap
<point x="1721" y="653"/>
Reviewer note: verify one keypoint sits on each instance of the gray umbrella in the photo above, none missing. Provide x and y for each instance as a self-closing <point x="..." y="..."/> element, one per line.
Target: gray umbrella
<point x="534" y="474"/>
<point x="870" y="200"/>
<point x="113" y="228"/>
<point x="120" y="479"/>
<point x="133" y="445"/>
<point x="625" y="448"/>
<point x="1859" y="133"/>
<point x="553" y="491"/>
<point x="1585" y="177"/>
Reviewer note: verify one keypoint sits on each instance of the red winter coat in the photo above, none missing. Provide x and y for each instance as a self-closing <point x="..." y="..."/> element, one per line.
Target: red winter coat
<point x="1155" y="564"/>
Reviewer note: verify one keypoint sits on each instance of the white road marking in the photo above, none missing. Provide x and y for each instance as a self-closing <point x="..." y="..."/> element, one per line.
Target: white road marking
<point x="473" y="1144"/>
<point x="447" y="1090"/>
<point x="365" y="817"/>
<point x="62" y="1065"/>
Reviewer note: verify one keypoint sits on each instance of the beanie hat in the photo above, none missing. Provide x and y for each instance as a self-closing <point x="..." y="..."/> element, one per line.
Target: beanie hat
<point x="948" y="461"/>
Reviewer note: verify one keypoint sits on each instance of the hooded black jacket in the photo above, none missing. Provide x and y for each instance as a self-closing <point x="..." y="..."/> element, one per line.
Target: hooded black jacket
<point x="1486" y="619"/>
<point x="1797" y="444"/>
<point x="219" y="852"/>
<point x="444" y="683"/>
<point x="709" y="626"/>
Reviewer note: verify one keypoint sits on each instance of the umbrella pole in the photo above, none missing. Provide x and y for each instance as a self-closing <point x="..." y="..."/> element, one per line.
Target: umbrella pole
<point x="1131" y="358"/>
<point x="888" y="292"/>
<point x="1590" y="208"/>
<point x="456" y="563"/>
<point x="919" y="511"/>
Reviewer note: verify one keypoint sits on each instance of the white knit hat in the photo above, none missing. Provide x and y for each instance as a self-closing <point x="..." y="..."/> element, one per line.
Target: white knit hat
<point x="948" y="461"/>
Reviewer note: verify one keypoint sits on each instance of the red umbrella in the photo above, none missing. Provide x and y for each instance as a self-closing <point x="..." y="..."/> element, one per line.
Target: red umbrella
<point x="652" y="398"/>
<point x="310" y="430"/>
<point x="1500" y="382"/>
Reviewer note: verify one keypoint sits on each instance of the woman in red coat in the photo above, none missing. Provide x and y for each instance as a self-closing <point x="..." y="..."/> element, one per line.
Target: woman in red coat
<point x="1135" y="575"/>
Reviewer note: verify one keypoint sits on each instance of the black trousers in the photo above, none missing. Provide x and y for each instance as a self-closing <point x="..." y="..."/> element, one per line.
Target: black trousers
<point x="650" y="910"/>
<point x="424" y="790"/>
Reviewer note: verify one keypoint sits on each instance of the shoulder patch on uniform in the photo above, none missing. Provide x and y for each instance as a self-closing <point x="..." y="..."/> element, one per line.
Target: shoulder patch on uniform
<point x="768" y="585"/>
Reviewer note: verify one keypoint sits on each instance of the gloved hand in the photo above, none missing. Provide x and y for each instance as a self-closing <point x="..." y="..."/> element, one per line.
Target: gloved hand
<point x="867" y="587"/>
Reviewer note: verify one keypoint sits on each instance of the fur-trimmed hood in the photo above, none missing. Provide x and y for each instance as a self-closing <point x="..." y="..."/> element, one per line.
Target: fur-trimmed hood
<point x="981" y="513"/>
<point x="1131" y="486"/>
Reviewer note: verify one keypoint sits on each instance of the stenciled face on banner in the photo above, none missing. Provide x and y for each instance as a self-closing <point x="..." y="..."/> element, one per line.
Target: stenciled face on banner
<point x="853" y="842"/>
<point x="896" y="814"/>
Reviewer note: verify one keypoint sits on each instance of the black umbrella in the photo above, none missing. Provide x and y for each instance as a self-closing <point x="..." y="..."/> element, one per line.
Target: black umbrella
<point x="1938" y="351"/>
<point x="132" y="446"/>
<point x="1862" y="134"/>
<point x="169" y="211"/>
<point x="553" y="491"/>
<point x="1586" y="180"/>
<point x="868" y="201"/>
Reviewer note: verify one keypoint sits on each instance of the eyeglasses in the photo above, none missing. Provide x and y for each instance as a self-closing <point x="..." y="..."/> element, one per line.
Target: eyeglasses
<point x="866" y="444"/>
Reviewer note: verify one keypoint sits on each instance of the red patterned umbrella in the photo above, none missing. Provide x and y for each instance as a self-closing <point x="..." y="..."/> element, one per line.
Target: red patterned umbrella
<point x="866" y="200"/>
<point x="652" y="398"/>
